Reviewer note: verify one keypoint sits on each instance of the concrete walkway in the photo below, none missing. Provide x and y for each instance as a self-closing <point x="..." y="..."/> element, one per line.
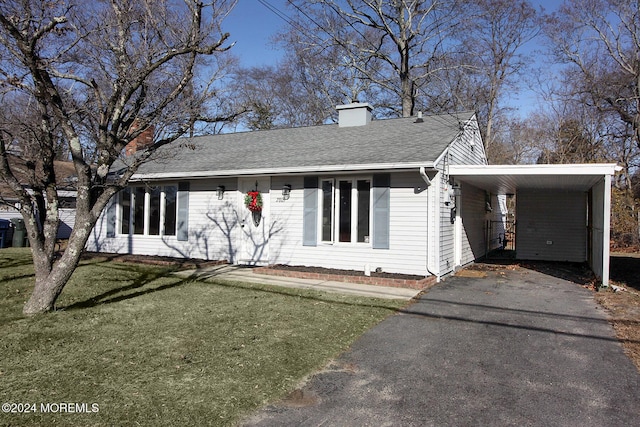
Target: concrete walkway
<point x="514" y="348"/>
<point x="246" y="274"/>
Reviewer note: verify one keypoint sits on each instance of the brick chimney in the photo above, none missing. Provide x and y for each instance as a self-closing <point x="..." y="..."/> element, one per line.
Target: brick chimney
<point x="142" y="141"/>
<point x="354" y="114"/>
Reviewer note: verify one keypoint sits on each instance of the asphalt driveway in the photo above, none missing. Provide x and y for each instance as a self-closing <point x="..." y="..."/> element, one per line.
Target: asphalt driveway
<point x="517" y="347"/>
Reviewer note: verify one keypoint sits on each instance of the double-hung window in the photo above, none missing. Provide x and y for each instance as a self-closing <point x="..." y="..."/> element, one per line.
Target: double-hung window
<point x="346" y="210"/>
<point x="149" y="211"/>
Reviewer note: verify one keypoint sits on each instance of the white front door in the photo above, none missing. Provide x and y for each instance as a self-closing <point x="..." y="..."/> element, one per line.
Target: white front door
<point x="254" y="225"/>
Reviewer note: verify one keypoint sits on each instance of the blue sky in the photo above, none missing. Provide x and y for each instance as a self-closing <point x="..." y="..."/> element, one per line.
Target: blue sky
<point x="252" y="25"/>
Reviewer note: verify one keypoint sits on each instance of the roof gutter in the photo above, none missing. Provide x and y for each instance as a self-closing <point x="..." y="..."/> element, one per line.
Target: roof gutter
<point x="349" y="168"/>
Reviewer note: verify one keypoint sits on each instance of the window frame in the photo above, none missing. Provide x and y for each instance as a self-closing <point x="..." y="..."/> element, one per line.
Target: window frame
<point x="133" y="192"/>
<point x="335" y="210"/>
<point x="321" y="210"/>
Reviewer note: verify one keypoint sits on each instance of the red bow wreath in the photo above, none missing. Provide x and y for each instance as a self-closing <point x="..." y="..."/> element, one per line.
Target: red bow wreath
<point x="253" y="201"/>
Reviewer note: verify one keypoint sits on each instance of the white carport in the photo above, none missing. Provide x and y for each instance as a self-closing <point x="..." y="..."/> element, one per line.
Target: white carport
<point x="563" y="211"/>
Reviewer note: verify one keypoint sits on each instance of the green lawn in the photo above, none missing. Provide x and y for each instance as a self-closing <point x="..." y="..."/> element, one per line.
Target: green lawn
<point x="148" y="348"/>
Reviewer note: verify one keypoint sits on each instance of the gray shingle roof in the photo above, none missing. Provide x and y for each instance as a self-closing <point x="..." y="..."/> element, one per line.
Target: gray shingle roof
<point x="392" y="143"/>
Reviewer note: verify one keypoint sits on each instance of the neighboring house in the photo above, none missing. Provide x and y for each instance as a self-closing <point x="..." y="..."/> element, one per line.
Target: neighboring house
<point x="65" y="177"/>
<point x="358" y="195"/>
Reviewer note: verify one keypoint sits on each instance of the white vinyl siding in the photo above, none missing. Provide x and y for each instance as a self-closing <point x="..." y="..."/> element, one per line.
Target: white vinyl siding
<point x="407" y="232"/>
<point x="447" y="229"/>
<point x="67" y="219"/>
<point x="552" y="225"/>
<point x="67" y="222"/>
<point x="212" y="228"/>
<point x="472" y="215"/>
<point x="467" y="149"/>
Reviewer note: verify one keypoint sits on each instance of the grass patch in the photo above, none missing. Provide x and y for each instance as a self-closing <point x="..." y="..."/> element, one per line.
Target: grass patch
<point x="150" y="348"/>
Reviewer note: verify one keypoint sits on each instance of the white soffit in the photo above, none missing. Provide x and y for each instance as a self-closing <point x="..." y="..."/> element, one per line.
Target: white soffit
<point x="507" y="179"/>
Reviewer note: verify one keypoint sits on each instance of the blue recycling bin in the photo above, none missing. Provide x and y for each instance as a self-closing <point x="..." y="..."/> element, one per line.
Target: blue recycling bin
<point x="5" y="228"/>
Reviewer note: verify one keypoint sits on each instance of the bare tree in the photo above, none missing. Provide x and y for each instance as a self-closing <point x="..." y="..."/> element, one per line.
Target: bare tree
<point x="599" y="41"/>
<point x="493" y="37"/>
<point x="519" y="143"/>
<point x="572" y="143"/>
<point x="281" y="96"/>
<point x="97" y="74"/>
<point x="395" y="45"/>
<point x="319" y="65"/>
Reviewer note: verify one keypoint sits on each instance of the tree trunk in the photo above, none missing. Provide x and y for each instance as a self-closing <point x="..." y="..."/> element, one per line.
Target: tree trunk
<point x="406" y="83"/>
<point x="43" y="298"/>
<point x="49" y="284"/>
<point x="51" y="278"/>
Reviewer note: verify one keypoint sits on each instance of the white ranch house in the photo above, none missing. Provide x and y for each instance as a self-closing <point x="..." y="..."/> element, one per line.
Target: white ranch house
<point x="409" y="195"/>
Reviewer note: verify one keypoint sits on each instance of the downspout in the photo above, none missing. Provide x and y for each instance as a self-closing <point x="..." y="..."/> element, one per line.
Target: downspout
<point x="423" y="174"/>
<point x="425" y="178"/>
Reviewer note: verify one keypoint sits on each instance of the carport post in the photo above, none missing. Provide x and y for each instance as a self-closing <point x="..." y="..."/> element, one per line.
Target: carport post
<point x="606" y="231"/>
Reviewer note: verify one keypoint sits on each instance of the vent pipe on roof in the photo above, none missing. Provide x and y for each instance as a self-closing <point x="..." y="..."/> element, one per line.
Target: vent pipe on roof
<point x="354" y="114"/>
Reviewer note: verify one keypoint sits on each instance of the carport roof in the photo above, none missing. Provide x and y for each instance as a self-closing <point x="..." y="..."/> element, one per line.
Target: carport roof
<point x="507" y="179"/>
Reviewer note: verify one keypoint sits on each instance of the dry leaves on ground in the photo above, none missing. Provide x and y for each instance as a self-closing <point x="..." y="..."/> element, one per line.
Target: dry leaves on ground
<point x="624" y="310"/>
